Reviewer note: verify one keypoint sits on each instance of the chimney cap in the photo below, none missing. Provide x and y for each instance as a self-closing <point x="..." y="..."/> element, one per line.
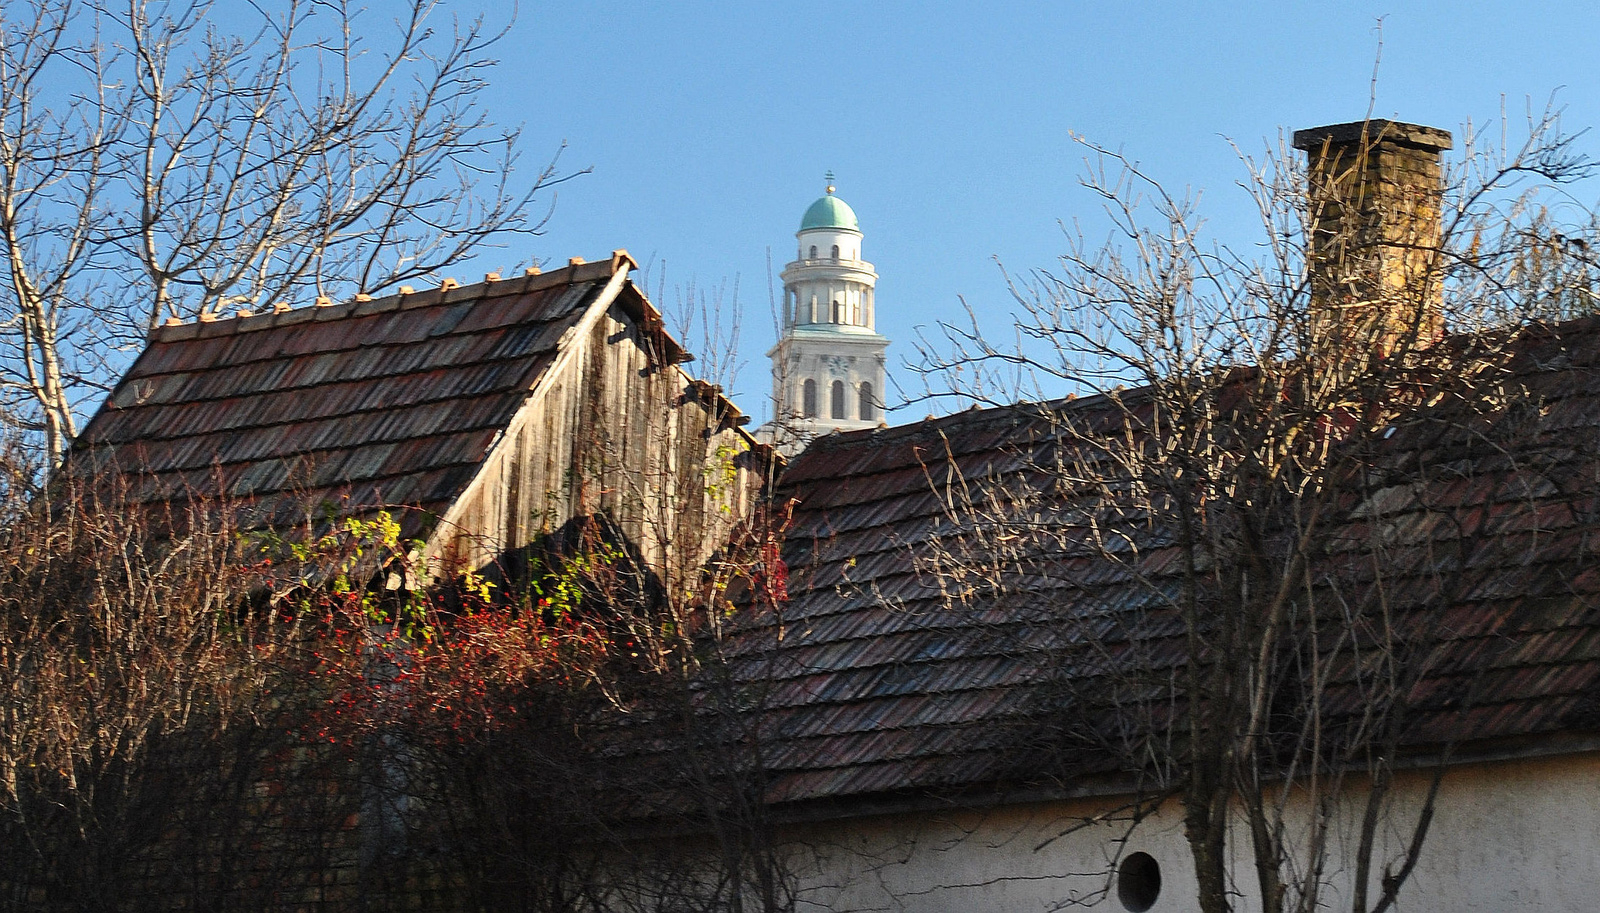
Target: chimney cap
<point x="1430" y="139"/>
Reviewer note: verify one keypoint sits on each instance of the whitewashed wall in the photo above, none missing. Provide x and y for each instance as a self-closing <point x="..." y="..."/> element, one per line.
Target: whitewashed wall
<point x="1517" y="835"/>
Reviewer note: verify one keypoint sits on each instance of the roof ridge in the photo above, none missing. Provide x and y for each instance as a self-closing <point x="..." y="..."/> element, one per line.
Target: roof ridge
<point x="933" y="424"/>
<point x="1527" y="330"/>
<point x="448" y="291"/>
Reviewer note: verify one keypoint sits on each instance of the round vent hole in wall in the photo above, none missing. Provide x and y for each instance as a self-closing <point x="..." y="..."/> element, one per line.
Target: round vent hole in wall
<point x="1139" y="882"/>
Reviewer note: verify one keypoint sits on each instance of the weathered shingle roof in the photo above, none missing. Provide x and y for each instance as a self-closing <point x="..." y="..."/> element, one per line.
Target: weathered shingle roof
<point x="874" y="683"/>
<point x="387" y="401"/>
<point x="871" y="684"/>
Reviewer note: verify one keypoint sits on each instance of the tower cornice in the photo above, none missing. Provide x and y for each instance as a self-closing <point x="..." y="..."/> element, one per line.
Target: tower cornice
<point x="850" y="270"/>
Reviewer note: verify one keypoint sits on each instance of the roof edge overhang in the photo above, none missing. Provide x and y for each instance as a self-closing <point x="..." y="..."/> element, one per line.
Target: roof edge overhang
<point x="638" y="306"/>
<point x="996" y="795"/>
<point x="1535" y="746"/>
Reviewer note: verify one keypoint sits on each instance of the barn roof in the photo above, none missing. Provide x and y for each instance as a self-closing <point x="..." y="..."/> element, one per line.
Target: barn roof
<point x="875" y="684"/>
<point x="391" y="401"/>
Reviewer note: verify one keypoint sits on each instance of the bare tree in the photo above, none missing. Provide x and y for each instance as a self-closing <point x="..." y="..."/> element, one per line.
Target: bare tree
<point x="146" y="691"/>
<point x="154" y="165"/>
<point x="1204" y="527"/>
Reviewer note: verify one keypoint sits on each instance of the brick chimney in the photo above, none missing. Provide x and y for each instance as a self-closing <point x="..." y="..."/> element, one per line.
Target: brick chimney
<point x="1375" y="191"/>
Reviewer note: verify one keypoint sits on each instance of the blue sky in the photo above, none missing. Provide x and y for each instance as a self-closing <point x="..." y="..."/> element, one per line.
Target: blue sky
<point x="949" y="125"/>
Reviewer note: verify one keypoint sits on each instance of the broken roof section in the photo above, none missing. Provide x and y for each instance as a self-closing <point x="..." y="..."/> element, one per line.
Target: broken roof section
<point x="348" y="408"/>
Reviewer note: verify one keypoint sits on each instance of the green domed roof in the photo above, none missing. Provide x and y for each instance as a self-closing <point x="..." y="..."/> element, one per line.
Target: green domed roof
<point x="830" y="212"/>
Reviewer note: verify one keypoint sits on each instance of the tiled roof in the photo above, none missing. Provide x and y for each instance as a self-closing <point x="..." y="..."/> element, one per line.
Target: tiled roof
<point x="874" y="683"/>
<point x="391" y="401"/>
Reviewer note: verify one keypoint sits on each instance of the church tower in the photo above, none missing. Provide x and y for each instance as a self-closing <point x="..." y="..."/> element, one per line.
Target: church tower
<point x="828" y="365"/>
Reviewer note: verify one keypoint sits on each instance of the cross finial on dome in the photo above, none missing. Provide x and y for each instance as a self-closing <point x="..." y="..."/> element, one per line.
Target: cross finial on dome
<point x="830" y="180"/>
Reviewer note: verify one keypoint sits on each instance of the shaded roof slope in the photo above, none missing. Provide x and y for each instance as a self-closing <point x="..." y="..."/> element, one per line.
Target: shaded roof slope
<point x="383" y="401"/>
<point x="876" y="683"/>
<point x="872" y="683"/>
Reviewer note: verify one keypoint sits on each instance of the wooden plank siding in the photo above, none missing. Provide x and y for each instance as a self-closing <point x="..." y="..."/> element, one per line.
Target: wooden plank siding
<point x="616" y="430"/>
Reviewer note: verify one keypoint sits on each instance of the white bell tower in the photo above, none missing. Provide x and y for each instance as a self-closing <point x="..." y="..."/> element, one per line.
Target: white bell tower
<point x="828" y="365"/>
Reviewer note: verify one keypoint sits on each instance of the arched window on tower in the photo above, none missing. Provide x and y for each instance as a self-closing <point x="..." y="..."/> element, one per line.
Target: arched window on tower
<point x="838" y="399"/>
<point x="809" y="399"/>
<point x="813" y="252"/>
<point x="868" y="407"/>
<point x="836" y="252"/>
